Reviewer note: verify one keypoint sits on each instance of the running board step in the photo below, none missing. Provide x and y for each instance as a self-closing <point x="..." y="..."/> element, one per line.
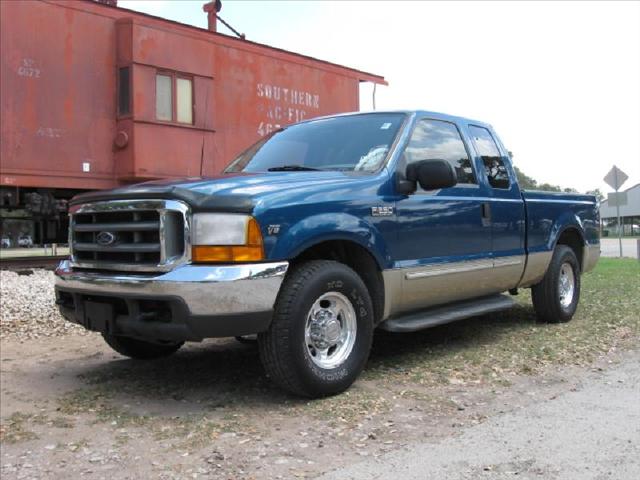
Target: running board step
<point x="448" y="313"/>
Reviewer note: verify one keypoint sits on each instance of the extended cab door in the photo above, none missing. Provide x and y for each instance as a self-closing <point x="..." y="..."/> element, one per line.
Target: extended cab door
<point x="506" y="208"/>
<point x="443" y="250"/>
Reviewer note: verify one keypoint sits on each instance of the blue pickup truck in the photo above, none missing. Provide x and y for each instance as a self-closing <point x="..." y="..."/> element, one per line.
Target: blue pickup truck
<point x="317" y="235"/>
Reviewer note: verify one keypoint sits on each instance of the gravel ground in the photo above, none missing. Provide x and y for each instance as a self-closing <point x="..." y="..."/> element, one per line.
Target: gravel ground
<point x="27" y="306"/>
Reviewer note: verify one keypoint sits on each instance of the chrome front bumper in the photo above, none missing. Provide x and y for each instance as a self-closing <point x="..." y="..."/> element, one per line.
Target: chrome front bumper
<point x="208" y="300"/>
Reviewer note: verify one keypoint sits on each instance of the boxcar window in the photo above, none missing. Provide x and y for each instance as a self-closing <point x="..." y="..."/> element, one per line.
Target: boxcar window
<point x="164" y="102"/>
<point x="124" y="91"/>
<point x="184" y="100"/>
<point x="436" y="139"/>
<point x="494" y="165"/>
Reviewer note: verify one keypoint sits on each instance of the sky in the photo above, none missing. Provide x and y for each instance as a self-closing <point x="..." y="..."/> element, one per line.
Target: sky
<point x="559" y="81"/>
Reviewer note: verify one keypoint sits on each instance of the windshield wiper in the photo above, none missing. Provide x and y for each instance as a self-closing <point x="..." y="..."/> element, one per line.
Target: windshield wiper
<point x="292" y="168"/>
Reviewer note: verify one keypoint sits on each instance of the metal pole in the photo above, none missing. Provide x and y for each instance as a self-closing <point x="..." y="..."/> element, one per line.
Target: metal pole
<point x="638" y="245"/>
<point x="619" y="229"/>
<point x="615" y="173"/>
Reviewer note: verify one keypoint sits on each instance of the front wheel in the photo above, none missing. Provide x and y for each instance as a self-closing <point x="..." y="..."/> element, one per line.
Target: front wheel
<point x="322" y="329"/>
<point x="555" y="298"/>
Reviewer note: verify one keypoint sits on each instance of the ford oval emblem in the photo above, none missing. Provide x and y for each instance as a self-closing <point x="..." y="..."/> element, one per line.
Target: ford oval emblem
<point x="106" y="238"/>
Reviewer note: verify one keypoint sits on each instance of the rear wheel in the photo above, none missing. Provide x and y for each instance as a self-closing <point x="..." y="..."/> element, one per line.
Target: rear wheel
<point x="321" y="333"/>
<point x="555" y="298"/>
<point x="139" y="349"/>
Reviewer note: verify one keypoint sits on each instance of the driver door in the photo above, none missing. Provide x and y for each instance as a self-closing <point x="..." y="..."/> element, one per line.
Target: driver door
<point x="444" y="237"/>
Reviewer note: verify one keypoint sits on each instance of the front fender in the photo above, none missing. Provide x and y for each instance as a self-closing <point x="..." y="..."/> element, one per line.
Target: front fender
<point x="331" y="226"/>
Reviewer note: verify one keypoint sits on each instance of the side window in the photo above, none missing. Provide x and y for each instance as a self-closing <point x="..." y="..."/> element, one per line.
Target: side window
<point x="184" y="100"/>
<point x="493" y="162"/>
<point x="435" y="139"/>
<point x="124" y="91"/>
<point x="168" y="86"/>
<point x="164" y="98"/>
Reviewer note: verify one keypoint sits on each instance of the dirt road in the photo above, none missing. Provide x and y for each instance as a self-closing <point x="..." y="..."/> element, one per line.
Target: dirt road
<point x="73" y="409"/>
<point x="589" y="432"/>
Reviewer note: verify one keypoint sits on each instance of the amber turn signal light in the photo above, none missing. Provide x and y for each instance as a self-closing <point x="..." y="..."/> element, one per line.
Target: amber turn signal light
<point x="250" y="252"/>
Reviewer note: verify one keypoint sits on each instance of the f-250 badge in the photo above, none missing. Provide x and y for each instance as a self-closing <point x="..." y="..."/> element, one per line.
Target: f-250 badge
<point x="382" y="211"/>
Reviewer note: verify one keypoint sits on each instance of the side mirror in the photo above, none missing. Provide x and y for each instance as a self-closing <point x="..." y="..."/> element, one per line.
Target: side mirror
<point x="432" y="174"/>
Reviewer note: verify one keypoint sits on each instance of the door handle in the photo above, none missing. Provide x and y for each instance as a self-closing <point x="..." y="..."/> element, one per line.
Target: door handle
<point x="486" y="213"/>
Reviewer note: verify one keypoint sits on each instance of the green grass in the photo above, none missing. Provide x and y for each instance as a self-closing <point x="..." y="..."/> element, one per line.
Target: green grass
<point x="7" y="253"/>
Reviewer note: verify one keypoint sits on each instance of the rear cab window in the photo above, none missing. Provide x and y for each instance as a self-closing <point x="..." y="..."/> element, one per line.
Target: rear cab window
<point x="494" y="165"/>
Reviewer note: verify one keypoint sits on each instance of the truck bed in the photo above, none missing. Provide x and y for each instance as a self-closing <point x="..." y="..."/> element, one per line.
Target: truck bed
<point x="548" y="215"/>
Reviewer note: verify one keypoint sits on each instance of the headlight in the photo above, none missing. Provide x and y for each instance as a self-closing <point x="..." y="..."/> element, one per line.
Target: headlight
<point x="226" y="237"/>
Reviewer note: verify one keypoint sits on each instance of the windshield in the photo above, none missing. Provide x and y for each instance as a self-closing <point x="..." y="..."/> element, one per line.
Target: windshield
<point x="349" y="143"/>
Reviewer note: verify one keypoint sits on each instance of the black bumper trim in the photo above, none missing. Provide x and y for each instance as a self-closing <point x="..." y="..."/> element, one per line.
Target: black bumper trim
<point x="153" y="318"/>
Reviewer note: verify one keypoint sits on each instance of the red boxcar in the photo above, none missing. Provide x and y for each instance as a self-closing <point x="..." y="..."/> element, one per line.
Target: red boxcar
<point x="94" y="96"/>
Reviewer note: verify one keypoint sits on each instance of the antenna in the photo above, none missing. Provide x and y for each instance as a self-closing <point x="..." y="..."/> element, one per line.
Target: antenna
<point x="240" y="35"/>
<point x="374" y="95"/>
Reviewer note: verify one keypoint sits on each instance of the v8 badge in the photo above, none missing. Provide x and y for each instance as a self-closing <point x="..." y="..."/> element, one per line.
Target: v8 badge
<point x="273" y="229"/>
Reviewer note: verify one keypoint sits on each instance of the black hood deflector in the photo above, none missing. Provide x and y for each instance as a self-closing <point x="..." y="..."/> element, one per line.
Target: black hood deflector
<point x="198" y="201"/>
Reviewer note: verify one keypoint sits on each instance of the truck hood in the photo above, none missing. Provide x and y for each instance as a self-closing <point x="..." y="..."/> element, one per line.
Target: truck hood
<point x="238" y="192"/>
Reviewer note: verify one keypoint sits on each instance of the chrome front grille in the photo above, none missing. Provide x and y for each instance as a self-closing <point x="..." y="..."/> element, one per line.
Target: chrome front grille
<point x="129" y="235"/>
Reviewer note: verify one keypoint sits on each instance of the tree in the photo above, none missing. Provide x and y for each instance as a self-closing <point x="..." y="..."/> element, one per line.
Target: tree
<point x="528" y="183"/>
<point x="599" y="195"/>
<point x="525" y="181"/>
<point x="547" y="187"/>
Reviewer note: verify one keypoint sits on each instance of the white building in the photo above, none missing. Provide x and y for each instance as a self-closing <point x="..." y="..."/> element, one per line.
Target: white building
<point x="629" y="214"/>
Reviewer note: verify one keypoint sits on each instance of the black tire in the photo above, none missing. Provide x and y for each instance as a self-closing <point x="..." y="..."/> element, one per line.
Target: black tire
<point x="139" y="349"/>
<point x="283" y="350"/>
<point x="547" y="300"/>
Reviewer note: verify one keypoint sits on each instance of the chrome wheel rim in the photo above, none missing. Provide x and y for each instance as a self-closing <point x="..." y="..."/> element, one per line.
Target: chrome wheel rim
<point x="566" y="285"/>
<point x="330" y="330"/>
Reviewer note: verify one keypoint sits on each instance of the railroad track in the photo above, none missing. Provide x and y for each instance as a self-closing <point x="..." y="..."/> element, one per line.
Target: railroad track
<point x="19" y="263"/>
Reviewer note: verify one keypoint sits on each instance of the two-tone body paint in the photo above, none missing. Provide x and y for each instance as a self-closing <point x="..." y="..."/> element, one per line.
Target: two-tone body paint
<point x="432" y="247"/>
<point x="548" y="216"/>
<point x="446" y="240"/>
<point x="434" y="240"/>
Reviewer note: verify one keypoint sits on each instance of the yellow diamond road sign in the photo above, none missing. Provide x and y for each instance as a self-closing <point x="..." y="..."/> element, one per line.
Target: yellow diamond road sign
<point x="615" y="178"/>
